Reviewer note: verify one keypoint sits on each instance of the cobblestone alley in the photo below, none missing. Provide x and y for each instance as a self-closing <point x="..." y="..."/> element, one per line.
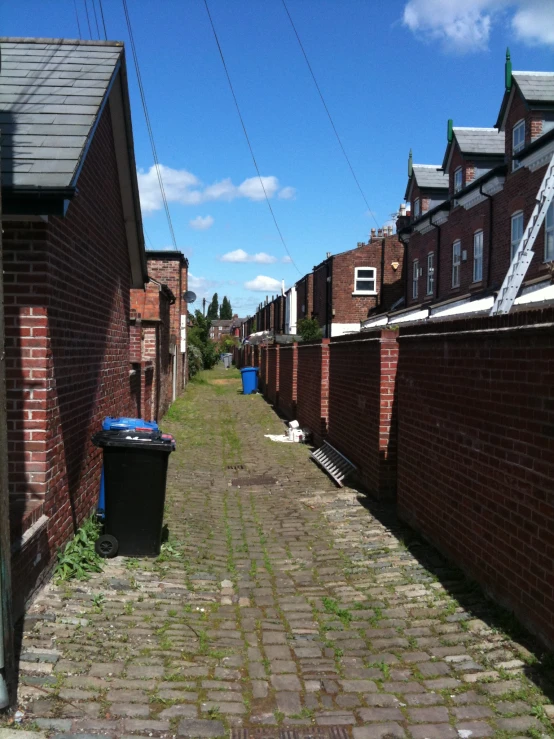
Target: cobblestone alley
<point x="279" y="601"/>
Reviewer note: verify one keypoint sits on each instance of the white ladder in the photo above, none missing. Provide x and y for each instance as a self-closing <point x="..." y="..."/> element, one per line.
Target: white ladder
<point x="524" y="252"/>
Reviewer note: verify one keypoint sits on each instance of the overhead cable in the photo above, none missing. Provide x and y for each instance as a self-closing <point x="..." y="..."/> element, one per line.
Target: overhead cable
<point x="88" y="19"/>
<point x="96" y="19"/>
<point x="77" y="17"/>
<point x="148" y="125"/>
<point x="247" y="137"/>
<point x="329" y="114"/>
<point x="103" y="21"/>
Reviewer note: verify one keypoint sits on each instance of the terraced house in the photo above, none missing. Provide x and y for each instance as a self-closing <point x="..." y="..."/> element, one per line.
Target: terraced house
<point x="73" y="249"/>
<point x="467" y="215"/>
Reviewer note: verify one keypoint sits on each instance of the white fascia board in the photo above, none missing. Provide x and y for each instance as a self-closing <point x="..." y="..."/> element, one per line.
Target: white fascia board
<point x="462" y="307"/>
<point x="536" y="294"/>
<point x="338" y="329"/>
<point x="416" y="315"/>
<point x="374" y="322"/>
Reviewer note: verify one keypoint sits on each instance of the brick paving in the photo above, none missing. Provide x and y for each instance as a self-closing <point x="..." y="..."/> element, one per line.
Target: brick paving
<point x="280" y="601"/>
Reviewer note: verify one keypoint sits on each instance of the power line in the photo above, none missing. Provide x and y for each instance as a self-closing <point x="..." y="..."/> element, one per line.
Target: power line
<point x="148" y="125"/>
<point x="103" y="21"/>
<point x="247" y="138"/>
<point x="148" y="237"/>
<point x="329" y="114"/>
<point x="96" y="19"/>
<point x="77" y="17"/>
<point x="88" y="20"/>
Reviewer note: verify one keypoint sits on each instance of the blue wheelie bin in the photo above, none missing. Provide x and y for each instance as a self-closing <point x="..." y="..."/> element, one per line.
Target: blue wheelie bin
<point x="249" y="380"/>
<point x="120" y="424"/>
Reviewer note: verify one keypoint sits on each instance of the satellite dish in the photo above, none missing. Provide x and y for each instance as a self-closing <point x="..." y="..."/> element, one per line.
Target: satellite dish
<point x="189" y="296"/>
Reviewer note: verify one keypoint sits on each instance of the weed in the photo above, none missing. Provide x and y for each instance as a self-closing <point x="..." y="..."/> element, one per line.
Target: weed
<point x="332" y="606"/>
<point x="98" y="602"/>
<point x="214" y="713"/>
<point x="79" y="560"/>
<point x="128" y="608"/>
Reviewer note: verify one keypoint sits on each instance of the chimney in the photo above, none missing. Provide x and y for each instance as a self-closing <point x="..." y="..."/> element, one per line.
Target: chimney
<point x="379" y="232"/>
<point x="389" y="230"/>
<point x="402" y="210"/>
<point x="373" y="233"/>
<point x="328" y="254"/>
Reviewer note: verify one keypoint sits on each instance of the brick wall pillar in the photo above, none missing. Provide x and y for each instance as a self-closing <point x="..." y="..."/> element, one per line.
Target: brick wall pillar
<point x="388" y="413"/>
<point x="272" y="388"/>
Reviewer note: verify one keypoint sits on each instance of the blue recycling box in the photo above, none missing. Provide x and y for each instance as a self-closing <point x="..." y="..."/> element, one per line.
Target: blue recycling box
<point x="114" y="424"/>
<point x="249" y="380"/>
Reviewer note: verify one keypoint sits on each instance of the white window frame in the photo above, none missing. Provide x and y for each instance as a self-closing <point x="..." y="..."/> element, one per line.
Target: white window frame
<point x="430" y="273"/>
<point x="549" y="234"/>
<point x="458" y="179"/>
<point x="514" y="240"/>
<point x="478" y="256"/>
<point x="415" y="278"/>
<point x="417" y="208"/>
<point x="365" y="279"/>
<point x="456" y="262"/>
<point x="519" y="127"/>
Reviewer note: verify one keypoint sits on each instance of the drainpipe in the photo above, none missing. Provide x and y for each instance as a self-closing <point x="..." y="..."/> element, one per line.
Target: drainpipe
<point x="382" y="271"/>
<point x="489" y="259"/>
<point x="6" y="627"/>
<point x="329" y="297"/>
<point x="437" y="257"/>
<point x="406" y="267"/>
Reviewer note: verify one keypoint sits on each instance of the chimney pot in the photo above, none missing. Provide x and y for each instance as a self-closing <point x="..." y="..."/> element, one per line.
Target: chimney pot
<point x="328" y="254"/>
<point x="379" y="232"/>
<point x="373" y="232"/>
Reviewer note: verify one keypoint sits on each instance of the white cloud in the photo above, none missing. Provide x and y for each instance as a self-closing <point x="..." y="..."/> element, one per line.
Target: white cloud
<point x="201" y="285"/>
<point x="286" y="259"/>
<point x="239" y="255"/>
<point x="201" y="223"/>
<point x="263" y="284"/>
<point x="287" y="193"/>
<point x="466" y="26"/>
<point x="184" y="187"/>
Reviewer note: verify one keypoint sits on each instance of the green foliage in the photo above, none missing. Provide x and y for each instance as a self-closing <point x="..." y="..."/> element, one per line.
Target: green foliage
<point x="199" y="337"/>
<point x="332" y="606"/>
<point x="78" y="558"/>
<point x="195" y="360"/>
<point x="225" y="311"/>
<point x="308" y="329"/>
<point x="213" y="308"/>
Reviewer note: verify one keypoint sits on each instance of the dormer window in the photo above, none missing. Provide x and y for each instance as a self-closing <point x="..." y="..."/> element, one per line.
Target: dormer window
<point x="518" y="142"/>
<point x="458" y="179"/>
<point x="417" y="208"/>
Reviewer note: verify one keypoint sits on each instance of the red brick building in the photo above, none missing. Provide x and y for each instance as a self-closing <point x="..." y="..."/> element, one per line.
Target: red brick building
<point x="468" y="216"/>
<point x="171" y="268"/>
<point x="73" y="249"/>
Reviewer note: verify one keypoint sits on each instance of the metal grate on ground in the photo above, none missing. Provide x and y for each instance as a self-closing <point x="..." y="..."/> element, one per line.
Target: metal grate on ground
<point x="297" y="732"/>
<point x="333" y="462"/>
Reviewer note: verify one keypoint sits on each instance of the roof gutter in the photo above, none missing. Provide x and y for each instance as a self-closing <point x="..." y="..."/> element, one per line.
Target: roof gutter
<point x="34" y="201"/>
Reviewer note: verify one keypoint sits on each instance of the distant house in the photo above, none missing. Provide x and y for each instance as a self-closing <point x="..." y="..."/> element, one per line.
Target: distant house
<point x="220" y="328"/>
<point x="73" y="250"/>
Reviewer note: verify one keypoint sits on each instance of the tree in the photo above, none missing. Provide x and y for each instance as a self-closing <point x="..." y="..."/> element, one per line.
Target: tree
<point x="199" y="337"/>
<point x="213" y="308"/>
<point x="226" y="312"/>
<point x="309" y="329"/>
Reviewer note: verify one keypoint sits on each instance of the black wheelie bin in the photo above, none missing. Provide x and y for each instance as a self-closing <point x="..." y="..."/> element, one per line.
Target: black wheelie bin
<point x="135" y="472"/>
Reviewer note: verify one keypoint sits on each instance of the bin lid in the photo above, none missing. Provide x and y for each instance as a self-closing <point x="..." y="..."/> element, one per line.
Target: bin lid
<point x="128" y="423"/>
<point x="153" y="440"/>
<point x="249" y="369"/>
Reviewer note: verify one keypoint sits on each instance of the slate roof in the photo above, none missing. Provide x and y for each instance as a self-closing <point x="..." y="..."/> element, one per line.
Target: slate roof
<point x="430" y="176"/>
<point x="536" y="87"/>
<point x="51" y="94"/>
<point x="480" y="140"/>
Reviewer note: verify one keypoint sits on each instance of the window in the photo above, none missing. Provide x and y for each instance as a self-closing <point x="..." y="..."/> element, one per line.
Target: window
<point x="430" y="273"/>
<point x="549" y="234"/>
<point x="518" y="141"/>
<point x="415" y="278"/>
<point x="458" y="179"/>
<point x="417" y="209"/>
<point x="517" y="231"/>
<point x="456" y="260"/>
<point x="364" y="281"/>
<point x="478" y="256"/>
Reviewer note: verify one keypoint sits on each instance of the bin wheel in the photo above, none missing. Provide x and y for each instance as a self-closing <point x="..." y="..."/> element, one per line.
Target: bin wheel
<point x="106" y="546"/>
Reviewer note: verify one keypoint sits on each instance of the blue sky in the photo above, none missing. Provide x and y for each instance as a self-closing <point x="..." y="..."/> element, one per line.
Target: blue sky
<point x="392" y="73"/>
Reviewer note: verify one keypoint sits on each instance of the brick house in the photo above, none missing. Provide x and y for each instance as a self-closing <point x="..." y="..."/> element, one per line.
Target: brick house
<point x="151" y="347"/>
<point x="220" y="328"/>
<point x="350" y="286"/>
<point x="304" y="296"/>
<point x="459" y="250"/>
<point x="170" y="267"/>
<point x="73" y="249"/>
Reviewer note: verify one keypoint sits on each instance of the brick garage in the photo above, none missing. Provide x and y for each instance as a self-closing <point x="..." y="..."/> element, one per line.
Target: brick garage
<point x="68" y="270"/>
<point x="475" y="464"/>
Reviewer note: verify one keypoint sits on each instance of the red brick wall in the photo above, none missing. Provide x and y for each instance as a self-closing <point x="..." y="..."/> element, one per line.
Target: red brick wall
<point x="271" y="389"/>
<point x="68" y="360"/>
<point x="288" y="371"/>
<point x="304" y="296"/>
<point x="312" y="405"/>
<point x="362" y="406"/>
<point x="475" y="463"/>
